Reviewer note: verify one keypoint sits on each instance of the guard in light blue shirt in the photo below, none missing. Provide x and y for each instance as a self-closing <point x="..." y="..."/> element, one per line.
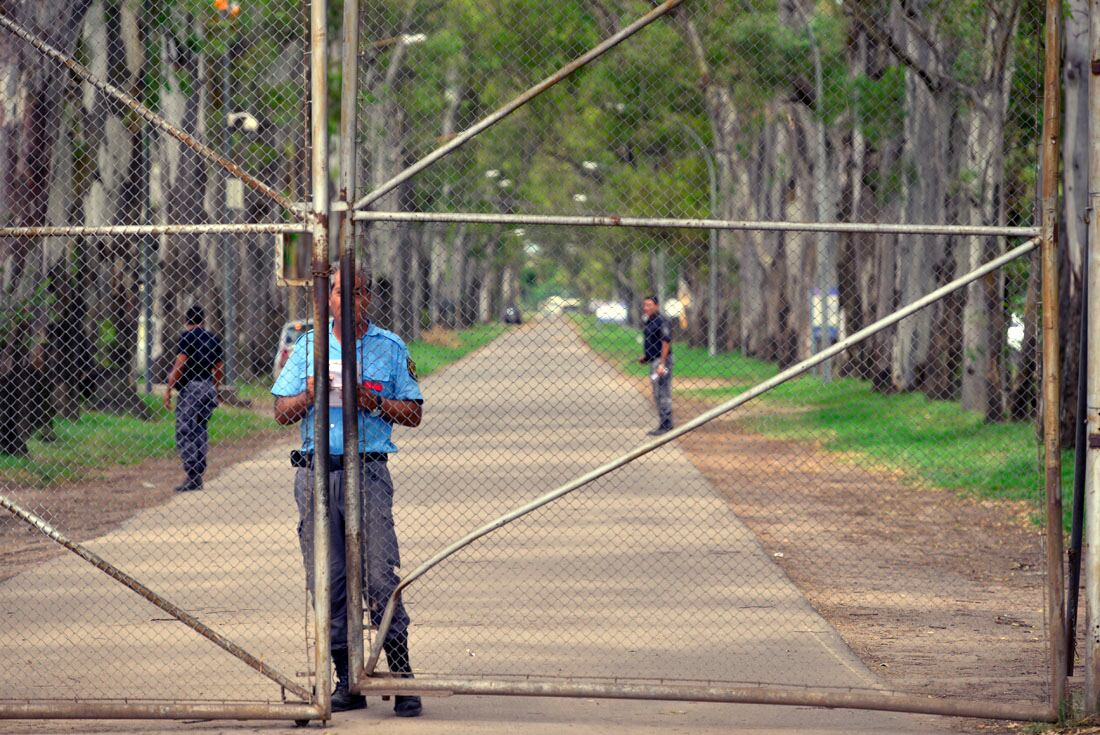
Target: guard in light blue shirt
<point x="387" y="394"/>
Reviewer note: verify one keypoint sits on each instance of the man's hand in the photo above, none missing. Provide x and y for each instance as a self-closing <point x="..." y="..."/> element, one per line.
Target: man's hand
<point x="661" y="369"/>
<point x="368" y="400"/>
<point x="289" y="409"/>
<point x="168" y="399"/>
<point x="642" y="360"/>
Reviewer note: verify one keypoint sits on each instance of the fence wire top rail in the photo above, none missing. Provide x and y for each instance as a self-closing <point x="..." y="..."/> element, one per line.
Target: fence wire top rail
<point x="608" y="220"/>
<point x="176" y="229"/>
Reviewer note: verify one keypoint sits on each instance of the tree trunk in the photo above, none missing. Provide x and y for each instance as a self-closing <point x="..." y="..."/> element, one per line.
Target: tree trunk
<point x="983" y="385"/>
<point x="926" y="153"/>
<point x="32" y="95"/>
<point x="733" y="248"/>
<point x="1074" y="225"/>
<point x="119" y="194"/>
<point x="185" y="279"/>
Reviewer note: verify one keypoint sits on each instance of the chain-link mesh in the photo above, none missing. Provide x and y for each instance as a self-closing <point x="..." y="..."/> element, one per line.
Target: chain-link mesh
<point x="90" y="328"/>
<point x="875" y="523"/>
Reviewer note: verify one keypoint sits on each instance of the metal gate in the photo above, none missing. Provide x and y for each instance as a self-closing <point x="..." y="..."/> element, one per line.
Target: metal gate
<point x="649" y="129"/>
<point x="842" y="513"/>
<point x="142" y="144"/>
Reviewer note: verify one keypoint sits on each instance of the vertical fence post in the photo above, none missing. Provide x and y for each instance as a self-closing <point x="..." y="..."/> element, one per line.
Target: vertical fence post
<point x="353" y="529"/>
<point x="319" y="170"/>
<point x="1092" y="468"/>
<point x="1051" y="377"/>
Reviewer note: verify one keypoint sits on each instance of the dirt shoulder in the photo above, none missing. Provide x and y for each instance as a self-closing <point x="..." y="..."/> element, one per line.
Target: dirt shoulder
<point x="93" y="506"/>
<point x="938" y="593"/>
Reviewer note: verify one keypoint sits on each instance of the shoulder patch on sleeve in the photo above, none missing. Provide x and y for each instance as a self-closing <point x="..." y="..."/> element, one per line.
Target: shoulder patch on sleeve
<point x="412" y="369"/>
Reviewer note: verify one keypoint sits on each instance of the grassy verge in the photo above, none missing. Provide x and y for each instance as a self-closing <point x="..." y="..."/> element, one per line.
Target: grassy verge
<point x="439" y="348"/>
<point x="98" y="440"/>
<point x="927" y="441"/>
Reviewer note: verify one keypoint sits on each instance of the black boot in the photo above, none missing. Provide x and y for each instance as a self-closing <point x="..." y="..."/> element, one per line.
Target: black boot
<point x="191" y="483"/>
<point x="342" y="699"/>
<point x="397" y="656"/>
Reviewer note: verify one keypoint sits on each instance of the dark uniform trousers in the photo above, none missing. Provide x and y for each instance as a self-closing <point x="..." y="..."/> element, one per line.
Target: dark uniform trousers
<point x="662" y="390"/>
<point x="380" y="553"/>
<point x="197" y="401"/>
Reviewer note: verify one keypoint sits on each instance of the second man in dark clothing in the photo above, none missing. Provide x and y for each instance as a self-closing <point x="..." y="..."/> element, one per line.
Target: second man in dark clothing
<point x="196" y="373"/>
<point x="657" y="346"/>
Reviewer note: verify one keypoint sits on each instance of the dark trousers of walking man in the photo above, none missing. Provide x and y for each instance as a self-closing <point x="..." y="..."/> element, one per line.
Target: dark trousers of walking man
<point x="657" y="354"/>
<point x="196" y="405"/>
<point x="662" y="391"/>
<point x="197" y="372"/>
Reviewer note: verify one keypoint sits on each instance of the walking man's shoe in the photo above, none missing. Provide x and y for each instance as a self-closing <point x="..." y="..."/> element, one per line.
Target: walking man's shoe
<point x="189" y="485"/>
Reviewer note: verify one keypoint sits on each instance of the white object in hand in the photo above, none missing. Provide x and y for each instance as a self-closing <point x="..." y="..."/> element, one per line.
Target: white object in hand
<point x="335" y="384"/>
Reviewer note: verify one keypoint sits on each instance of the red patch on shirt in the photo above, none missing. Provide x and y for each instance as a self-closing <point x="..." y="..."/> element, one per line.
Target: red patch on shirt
<point x="371" y="385"/>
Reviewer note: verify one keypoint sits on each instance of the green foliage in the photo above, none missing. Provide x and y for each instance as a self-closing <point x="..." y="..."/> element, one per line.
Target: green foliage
<point x="880" y="104"/>
<point x="16" y="319"/>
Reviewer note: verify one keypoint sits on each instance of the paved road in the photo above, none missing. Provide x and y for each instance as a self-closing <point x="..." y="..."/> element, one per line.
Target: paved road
<point x="646" y="574"/>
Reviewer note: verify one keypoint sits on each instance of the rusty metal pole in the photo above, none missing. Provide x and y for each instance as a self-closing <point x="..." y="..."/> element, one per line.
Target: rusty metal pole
<point x="810" y="696"/>
<point x="1051" y="377"/>
<point x="353" y="527"/>
<point x="320" y="210"/>
<point x="1091" y="550"/>
<point x="664" y="223"/>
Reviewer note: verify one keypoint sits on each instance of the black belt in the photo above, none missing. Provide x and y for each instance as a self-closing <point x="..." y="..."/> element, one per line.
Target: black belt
<point x="335" y="461"/>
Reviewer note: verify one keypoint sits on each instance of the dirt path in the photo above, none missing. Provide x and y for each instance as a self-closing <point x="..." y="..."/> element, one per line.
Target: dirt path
<point x="94" y="506"/>
<point x="647" y="574"/>
<point x="938" y="593"/>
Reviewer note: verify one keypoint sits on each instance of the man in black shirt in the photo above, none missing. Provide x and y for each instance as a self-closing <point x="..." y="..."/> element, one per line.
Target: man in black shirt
<point x="197" y="372"/>
<point x="657" y="344"/>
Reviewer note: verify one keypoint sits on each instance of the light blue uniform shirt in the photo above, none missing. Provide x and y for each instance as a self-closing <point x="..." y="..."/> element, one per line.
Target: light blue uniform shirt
<point x="383" y="362"/>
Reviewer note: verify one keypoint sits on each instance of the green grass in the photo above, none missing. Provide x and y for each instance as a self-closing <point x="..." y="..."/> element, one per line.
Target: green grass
<point x="98" y="440"/>
<point x="431" y="357"/>
<point x="929" y="442"/>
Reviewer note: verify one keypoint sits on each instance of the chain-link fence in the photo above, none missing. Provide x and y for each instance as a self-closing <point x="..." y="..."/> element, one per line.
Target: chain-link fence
<point x="151" y="151"/>
<point x="873" y="524"/>
<point x="751" y="184"/>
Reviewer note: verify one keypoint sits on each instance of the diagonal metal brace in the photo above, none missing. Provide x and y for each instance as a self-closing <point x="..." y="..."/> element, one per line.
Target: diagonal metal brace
<point x="153" y="118"/>
<point x="703" y="418"/>
<point x="493" y="118"/>
<point x="171" y="608"/>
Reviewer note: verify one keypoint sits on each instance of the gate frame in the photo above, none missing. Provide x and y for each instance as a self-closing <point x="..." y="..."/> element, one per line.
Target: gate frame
<point x="364" y="679"/>
<point x="315" y="223"/>
<point x="312" y="223"/>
